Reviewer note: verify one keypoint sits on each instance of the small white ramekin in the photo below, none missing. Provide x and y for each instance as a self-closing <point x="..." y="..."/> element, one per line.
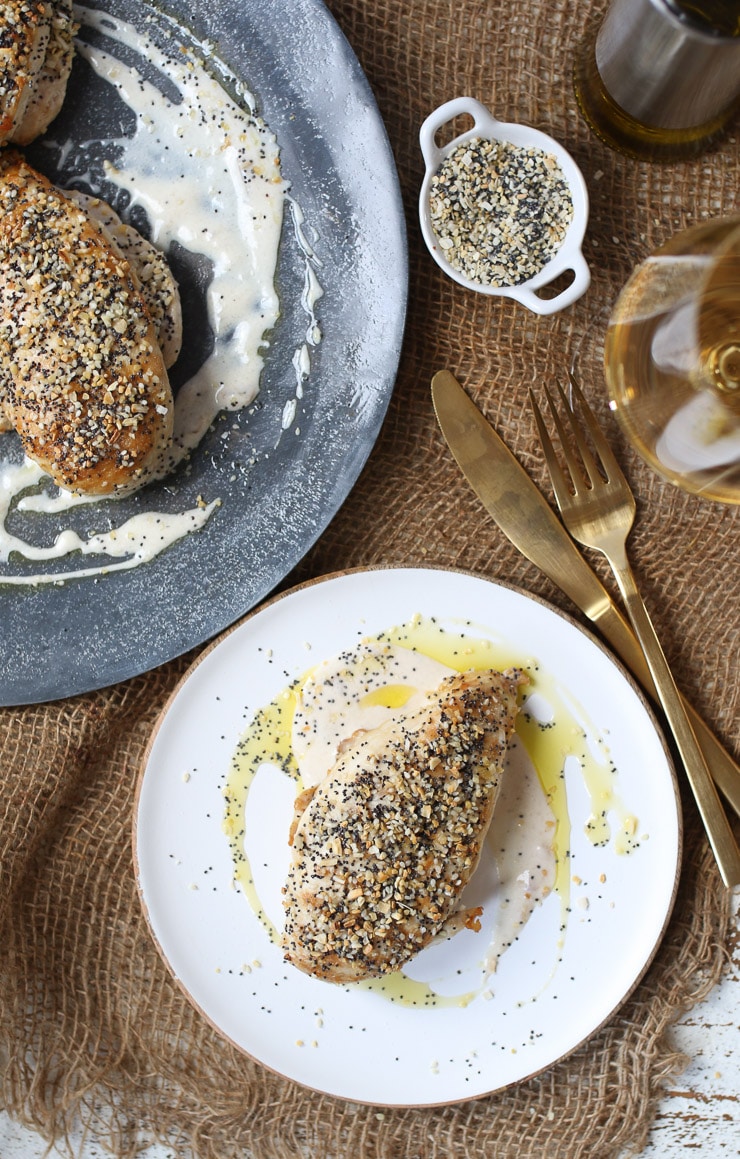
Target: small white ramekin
<point x="567" y="257"/>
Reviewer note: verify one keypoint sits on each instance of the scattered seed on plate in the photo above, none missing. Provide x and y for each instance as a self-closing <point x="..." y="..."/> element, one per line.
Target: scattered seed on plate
<point x="500" y="211"/>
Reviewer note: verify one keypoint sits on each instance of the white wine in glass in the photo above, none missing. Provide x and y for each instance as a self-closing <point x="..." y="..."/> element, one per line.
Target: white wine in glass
<point x="672" y="360"/>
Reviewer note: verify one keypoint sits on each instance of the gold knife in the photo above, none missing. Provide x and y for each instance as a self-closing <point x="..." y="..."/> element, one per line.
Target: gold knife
<point x="526" y="518"/>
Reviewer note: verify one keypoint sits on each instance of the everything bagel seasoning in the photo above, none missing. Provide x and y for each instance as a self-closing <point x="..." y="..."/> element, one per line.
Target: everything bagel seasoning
<point x="500" y="212"/>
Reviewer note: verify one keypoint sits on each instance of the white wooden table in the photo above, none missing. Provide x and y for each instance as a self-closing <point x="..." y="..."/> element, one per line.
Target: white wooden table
<point x="700" y="1112"/>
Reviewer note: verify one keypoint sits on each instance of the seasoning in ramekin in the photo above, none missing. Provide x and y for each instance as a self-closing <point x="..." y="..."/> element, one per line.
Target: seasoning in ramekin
<point x="500" y="211"/>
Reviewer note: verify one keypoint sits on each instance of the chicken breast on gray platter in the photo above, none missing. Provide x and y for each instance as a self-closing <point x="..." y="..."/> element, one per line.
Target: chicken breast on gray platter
<point x="36" y="55"/>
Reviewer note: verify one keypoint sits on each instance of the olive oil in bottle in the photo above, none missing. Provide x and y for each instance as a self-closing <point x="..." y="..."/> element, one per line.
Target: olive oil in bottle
<point x="660" y="79"/>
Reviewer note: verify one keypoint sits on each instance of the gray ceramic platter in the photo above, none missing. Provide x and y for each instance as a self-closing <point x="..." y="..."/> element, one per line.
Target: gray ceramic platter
<point x="279" y="488"/>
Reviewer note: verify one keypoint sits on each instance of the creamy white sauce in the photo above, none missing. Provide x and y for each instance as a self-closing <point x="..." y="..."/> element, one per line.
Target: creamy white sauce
<point x="207" y="174"/>
<point x="357" y="692"/>
<point x="206" y="171"/>
<point x="520" y="841"/>
<point x="137" y="540"/>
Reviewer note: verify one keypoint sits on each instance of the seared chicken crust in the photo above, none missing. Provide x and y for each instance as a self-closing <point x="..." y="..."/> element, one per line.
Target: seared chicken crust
<point x="391" y="837"/>
<point x="36" y="55"/>
<point x="156" y="280"/>
<point x="82" y="376"/>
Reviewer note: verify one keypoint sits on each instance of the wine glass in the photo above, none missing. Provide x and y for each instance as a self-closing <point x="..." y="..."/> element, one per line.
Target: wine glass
<point x="672" y="359"/>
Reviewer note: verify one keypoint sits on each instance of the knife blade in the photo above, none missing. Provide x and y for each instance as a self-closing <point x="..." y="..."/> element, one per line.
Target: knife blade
<point x="521" y="511"/>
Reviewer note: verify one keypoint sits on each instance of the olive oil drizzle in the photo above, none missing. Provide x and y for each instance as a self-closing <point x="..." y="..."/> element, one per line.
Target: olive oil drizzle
<point x="549" y="744"/>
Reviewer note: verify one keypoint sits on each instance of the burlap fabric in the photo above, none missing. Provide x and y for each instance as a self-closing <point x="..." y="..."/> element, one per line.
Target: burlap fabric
<point x="91" y="1024"/>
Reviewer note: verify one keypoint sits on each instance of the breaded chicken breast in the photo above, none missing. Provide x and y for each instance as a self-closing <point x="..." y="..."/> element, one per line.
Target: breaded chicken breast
<point x="390" y="838"/>
<point x="36" y="55"/>
<point x="82" y="376"/>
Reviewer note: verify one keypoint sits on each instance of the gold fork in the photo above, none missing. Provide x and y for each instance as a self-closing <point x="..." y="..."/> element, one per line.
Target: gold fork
<point x="598" y="510"/>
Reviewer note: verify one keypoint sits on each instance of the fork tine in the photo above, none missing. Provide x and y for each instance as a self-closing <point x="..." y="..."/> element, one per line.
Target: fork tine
<point x="605" y="453"/>
<point x="559" y="482"/>
<point x="575" y="467"/>
<point x="589" y="463"/>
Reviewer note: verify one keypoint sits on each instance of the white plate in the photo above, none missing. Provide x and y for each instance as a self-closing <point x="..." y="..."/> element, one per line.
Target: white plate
<point x="553" y="988"/>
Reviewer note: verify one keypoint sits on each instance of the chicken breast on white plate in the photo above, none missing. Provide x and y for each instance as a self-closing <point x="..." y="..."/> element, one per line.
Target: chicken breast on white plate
<point x="385" y="845"/>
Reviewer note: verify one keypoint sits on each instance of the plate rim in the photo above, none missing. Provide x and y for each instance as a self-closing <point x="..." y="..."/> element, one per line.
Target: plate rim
<point x="275" y="600"/>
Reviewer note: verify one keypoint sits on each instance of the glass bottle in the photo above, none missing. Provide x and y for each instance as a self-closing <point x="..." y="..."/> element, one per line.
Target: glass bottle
<point x="660" y="79"/>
